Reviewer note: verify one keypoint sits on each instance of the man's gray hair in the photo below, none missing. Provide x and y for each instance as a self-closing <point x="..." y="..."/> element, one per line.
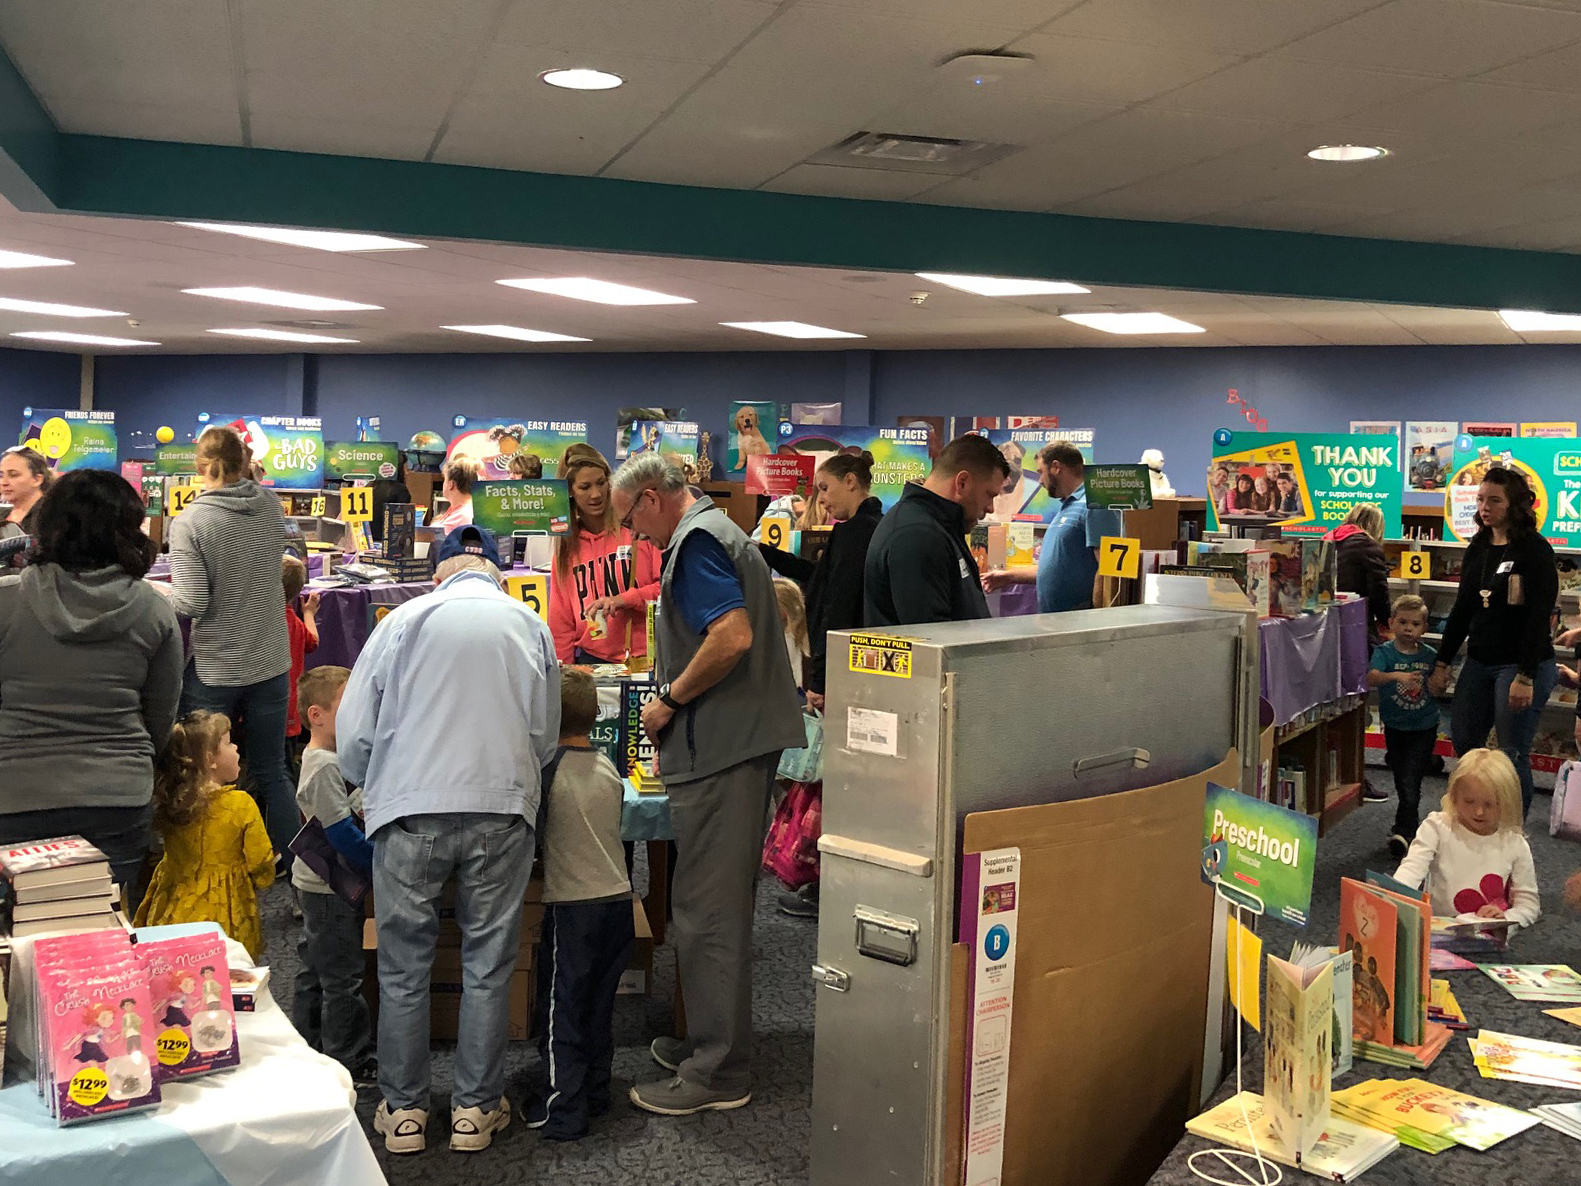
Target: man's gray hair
<point x="466" y="562"/>
<point x="650" y="471"/>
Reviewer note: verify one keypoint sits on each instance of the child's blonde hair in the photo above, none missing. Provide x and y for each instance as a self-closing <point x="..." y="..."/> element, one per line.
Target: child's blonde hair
<point x="1495" y="771"/>
<point x="317" y="688"/>
<point x="293" y="575"/>
<point x="1408" y="603"/>
<point x="183" y="782"/>
<point x="793" y="611"/>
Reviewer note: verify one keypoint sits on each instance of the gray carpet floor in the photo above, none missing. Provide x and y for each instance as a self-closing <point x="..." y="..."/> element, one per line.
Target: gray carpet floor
<point x="766" y="1144"/>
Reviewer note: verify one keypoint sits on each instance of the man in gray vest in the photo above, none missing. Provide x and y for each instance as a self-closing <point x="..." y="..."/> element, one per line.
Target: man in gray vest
<point x="726" y="708"/>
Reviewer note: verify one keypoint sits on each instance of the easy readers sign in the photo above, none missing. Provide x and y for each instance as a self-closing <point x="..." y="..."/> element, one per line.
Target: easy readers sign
<point x="1259" y="855"/>
<point x="777" y="475"/>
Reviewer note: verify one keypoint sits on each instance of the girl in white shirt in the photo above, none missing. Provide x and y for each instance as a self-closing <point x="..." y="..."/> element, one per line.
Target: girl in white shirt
<point x="1472" y="855"/>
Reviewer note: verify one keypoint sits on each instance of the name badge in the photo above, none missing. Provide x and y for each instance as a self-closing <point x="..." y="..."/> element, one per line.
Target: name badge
<point x="1507" y="566"/>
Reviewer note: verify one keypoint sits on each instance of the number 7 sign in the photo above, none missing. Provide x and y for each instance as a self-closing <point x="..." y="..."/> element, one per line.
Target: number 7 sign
<point x="1119" y="557"/>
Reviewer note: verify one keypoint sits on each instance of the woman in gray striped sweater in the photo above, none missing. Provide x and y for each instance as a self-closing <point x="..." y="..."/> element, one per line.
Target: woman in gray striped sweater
<point x="225" y="551"/>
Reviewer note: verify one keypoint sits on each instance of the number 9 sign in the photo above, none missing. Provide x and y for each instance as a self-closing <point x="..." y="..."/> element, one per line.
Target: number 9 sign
<point x="777" y="531"/>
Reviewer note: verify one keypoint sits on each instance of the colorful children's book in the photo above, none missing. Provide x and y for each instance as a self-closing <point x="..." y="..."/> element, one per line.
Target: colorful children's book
<point x="1526" y="1060"/>
<point x="1342" y="1153"/>
<point x="1443" y="1008"/>
<point x="193" y="1010"/>
<point x="1413" y="948"/>
<point x="1342" y="1039"/>
<point x="50" y="862"/>
<point x="1368" y="929"/>
<point x="1573" y="1016"/>
<point x="1415" y="1058"/>
<point x="1297" y="1069"/>
<point x="1441" y="1114"/>
<point x="1537" y="982"/>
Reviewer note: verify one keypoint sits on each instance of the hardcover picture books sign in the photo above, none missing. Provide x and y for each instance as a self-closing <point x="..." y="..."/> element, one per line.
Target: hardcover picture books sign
<point x="69" y="438"/>
<point x="507" y="507"/>
<point x="779" y="475"/>
<point x="1120" y="487"/>
<point x="1259" y="855"/>
<point x="1305" y="482"/>
<point x="1552" y="466"/>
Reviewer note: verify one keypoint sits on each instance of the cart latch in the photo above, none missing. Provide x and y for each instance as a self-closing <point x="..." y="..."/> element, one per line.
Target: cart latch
<point x="885" y="936"/>
<point x="831" y="978"/>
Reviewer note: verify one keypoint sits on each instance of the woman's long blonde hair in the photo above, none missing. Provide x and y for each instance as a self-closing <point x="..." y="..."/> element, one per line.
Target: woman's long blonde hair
<point x="579" y="457"/>
<point x="183" y="778"/>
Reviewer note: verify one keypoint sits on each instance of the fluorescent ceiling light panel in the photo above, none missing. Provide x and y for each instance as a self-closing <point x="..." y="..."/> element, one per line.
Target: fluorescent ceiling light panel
<point x="280" y="335"/>
<point x="1002" y="286"/>
<point x="1134" y="323"/>
<point x="1348" y="152"/>
<point x="582" y="78"/>
<point x="320" y="240"/>
<point x="515" y="332"/>
<point x="44" y="308"/>
<point x="283" y="300"/>
<point x="790" y="329"/>
<point x="603" y="292"/>
<point x="21" y="259"/>
<point x="1526" y="321"/>
<point x="50" y="335"/>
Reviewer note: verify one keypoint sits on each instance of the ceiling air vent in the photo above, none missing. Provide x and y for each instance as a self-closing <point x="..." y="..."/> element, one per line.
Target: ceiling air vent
<point x="912" y="154"/>
<point x="311" y="323"/>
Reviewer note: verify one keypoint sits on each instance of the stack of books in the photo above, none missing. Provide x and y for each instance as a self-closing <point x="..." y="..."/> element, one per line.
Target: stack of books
<point x="1566" y="1118"/>
<point x="1387" y="928"/>
<point x="1342" y="1153"/>
<point x="1526" y="1060"/>
<point x="1443" y="1008"/>
<point x="1537" y="982"/>
<point x="56" y="885"/>
<point x="1429" y="1118"/>
<point x="644" y="780"/>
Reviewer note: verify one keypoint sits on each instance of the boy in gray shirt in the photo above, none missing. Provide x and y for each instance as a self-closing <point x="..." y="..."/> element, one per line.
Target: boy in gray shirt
<point x="329" y="1010"/>
<point x="588" y="925"/>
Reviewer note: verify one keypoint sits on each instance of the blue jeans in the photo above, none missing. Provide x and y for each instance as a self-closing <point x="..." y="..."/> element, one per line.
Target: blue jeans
<point x="262" y="708"/>
<point x="490" y="858"/>
<point x="328" y="1009"/>
<point x="122" y="834"/>
<point x="1482" y="702"/>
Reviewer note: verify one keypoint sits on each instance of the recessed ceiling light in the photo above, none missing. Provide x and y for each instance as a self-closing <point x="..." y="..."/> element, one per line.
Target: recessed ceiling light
<point x="999" y="286"/>
<point x="284" y="300"/>
<point x="603" y="292"/>
<point x="50" y="335"/>
<point x="790" y="329"/>
<point x="1134" y="323"/>
<point x="21" y="259"/>
<point x="11" y="304"/>
<point x="580" y="78"/>
<point x="280" y="335"/>
<point x="1347" y="152"/>
<point x="515" y="333"/>
<point x="321" y="240"/>
<point x="1525" y="321"/>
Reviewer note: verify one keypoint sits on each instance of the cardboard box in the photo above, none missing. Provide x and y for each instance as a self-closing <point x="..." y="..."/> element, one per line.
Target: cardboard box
<point x="637" y="979"/>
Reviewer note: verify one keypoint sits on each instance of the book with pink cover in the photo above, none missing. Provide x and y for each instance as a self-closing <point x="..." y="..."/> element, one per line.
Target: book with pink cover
<point x="54" y="958"/>
<point x="194" y="1016"/>
<point x="96" y="1023"/>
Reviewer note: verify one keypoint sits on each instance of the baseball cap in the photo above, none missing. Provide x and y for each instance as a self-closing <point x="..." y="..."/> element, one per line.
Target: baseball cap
<point x="468" y="539"/>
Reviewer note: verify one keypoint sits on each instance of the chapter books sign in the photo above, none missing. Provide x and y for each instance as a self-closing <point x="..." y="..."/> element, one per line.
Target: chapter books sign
<point x="69" y="438"/>
<point x="289" y="448"/>
<point x="1306" y="482"/>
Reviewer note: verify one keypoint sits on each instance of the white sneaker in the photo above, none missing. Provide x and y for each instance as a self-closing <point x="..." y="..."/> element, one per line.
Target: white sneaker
<point x="471" y="1129"/>
<point x="405" y="1129"/>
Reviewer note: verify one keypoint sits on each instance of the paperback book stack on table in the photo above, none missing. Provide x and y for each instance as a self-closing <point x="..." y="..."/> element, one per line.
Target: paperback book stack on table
<point x="1387" y="928"/>
<point x="56" y="885"/>
<point x="1427" y="1117"/>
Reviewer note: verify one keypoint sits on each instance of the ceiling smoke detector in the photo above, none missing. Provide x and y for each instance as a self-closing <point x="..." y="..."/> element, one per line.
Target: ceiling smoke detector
<point x="912" y="154"/>
<point x="979" y="70"/>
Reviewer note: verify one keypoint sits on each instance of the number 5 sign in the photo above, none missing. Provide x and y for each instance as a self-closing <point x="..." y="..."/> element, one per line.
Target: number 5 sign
<point x="533" y="591"/>
<point x="1119" y="557"/>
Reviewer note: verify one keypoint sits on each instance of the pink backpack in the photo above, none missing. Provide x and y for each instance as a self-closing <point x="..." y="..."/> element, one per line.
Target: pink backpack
<point x="1565" y="819"/>
<point x="791" y="850"/>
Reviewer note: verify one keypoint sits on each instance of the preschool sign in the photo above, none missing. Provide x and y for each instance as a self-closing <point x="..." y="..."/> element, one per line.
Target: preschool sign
<point x="1552" y="466"/>
<point x="1306" y="482"/>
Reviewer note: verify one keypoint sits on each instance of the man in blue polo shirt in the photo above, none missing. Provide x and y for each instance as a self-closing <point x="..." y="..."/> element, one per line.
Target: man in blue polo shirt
<point x="1068" y="565"/>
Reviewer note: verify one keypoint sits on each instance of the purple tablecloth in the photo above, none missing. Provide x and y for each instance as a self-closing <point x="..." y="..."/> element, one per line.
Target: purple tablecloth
<point x="1311" y="660"/>
<point x="346" y="618"/>
<point x="161" y="569"/>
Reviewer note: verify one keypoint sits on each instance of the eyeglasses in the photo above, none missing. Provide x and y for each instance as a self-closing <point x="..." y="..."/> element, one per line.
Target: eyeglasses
<point x="641" y="494"/>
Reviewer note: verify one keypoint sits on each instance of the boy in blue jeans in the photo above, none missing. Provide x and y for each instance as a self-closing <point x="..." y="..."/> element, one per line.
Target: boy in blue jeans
<point x="1400" y="669"/>
<point x="588" y="927"/>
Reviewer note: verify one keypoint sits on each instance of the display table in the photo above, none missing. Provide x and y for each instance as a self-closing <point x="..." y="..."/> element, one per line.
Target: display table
<point x="647" y="818"/>
<point x="285" y="1115"/>
<point x="1313" y="659"/>
<point x="1538" y="1156"/>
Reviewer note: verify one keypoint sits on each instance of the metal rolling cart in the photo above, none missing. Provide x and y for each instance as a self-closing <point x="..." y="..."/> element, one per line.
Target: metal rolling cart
<point x="930" y="723"/>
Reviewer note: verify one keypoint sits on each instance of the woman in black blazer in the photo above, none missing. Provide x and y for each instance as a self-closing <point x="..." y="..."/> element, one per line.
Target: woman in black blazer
<point x="835" y="582"/>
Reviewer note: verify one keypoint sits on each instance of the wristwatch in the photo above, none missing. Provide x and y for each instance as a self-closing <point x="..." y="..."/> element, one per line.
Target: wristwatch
<point x="668" y="701"/>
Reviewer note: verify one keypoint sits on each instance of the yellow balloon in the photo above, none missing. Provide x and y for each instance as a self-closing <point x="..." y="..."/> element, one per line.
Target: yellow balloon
<point x="165" y="434"/>
<point x="56" y="437"/>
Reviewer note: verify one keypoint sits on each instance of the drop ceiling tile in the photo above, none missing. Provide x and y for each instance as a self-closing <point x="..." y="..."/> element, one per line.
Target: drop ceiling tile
<point x="834" y="181"/>
<point x="186" y="123"/>
<point x="340" y="137"/>
<point x="1235" y="26"/>
<point x="1282" y="88"/>
<point x="1148" y="200"/>
<point x="685" y="30"/>
<point x="1465" y="111"/>
<point x="1101" y="71"/>
<point x="1558" y="70"/>
<point x="273" y="26"/>
<point x="1006" y="114"/>
<point x="399" y="79"/>
<point x="1446" y="38"/>
<point x="1018" y="14"/>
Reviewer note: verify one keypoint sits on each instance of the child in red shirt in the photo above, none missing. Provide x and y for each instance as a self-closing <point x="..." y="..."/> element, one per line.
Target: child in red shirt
<point x="304" y="637"/>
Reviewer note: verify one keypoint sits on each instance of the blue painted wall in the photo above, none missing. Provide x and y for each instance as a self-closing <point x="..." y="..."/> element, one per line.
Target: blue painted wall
<point x="1135" y="398"/>
<point x="38" y="379"/>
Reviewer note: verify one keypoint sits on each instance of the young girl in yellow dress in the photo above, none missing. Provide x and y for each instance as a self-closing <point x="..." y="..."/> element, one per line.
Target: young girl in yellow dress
<point x="217" y="851"/>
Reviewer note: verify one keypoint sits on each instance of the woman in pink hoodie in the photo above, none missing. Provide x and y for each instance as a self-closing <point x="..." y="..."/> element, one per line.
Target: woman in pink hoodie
<point x="603" y="577"/>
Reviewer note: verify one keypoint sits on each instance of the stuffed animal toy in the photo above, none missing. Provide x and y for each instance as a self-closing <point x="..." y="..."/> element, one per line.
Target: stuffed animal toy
<point x="1154" y="460"/>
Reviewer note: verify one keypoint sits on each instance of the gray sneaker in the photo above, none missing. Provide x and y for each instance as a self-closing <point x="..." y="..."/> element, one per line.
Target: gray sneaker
<point x="677" y="1097"/>
<point x="670" y="1053"/>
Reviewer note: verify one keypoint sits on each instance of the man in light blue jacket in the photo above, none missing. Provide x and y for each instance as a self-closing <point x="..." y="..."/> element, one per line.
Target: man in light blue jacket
<point x="450" y="714"/>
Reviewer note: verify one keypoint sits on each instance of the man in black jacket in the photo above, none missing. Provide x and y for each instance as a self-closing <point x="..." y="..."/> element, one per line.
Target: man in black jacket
<point x="919" y="568"/>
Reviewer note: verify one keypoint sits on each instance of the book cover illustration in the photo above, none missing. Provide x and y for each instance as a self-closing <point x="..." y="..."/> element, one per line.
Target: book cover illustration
<point x="60" y="853"/>
<point x="1341" y="1153"/>
<point x="1415" y="1108"/>
<point x="190" y="984"/>
<point x="1297" y="1067"/>
<point x="1341" y="1039"/>
<point x="1367" y="929"/>
<point x="1537" y="982"/>
<point x="1413" y="947"/>
<point x="1526" y="1060"/>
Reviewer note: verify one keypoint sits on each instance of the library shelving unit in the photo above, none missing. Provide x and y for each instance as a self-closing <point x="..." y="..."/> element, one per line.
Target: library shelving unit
<point x="1555" y="742"/>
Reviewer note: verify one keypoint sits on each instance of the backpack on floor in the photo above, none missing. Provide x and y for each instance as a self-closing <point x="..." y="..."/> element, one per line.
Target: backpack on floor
<point x="1565" y="820"/>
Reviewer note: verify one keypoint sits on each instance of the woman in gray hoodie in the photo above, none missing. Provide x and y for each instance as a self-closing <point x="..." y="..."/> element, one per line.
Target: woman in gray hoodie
<point x="90" y="675"/>
<point x="225" y="551"/>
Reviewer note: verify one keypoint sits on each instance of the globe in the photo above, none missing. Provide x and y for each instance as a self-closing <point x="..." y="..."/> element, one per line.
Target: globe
<point x="427" y="441"/>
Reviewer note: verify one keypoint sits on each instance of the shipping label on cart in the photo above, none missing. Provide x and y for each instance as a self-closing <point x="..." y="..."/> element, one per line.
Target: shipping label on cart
<point x="998" y="895"/>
